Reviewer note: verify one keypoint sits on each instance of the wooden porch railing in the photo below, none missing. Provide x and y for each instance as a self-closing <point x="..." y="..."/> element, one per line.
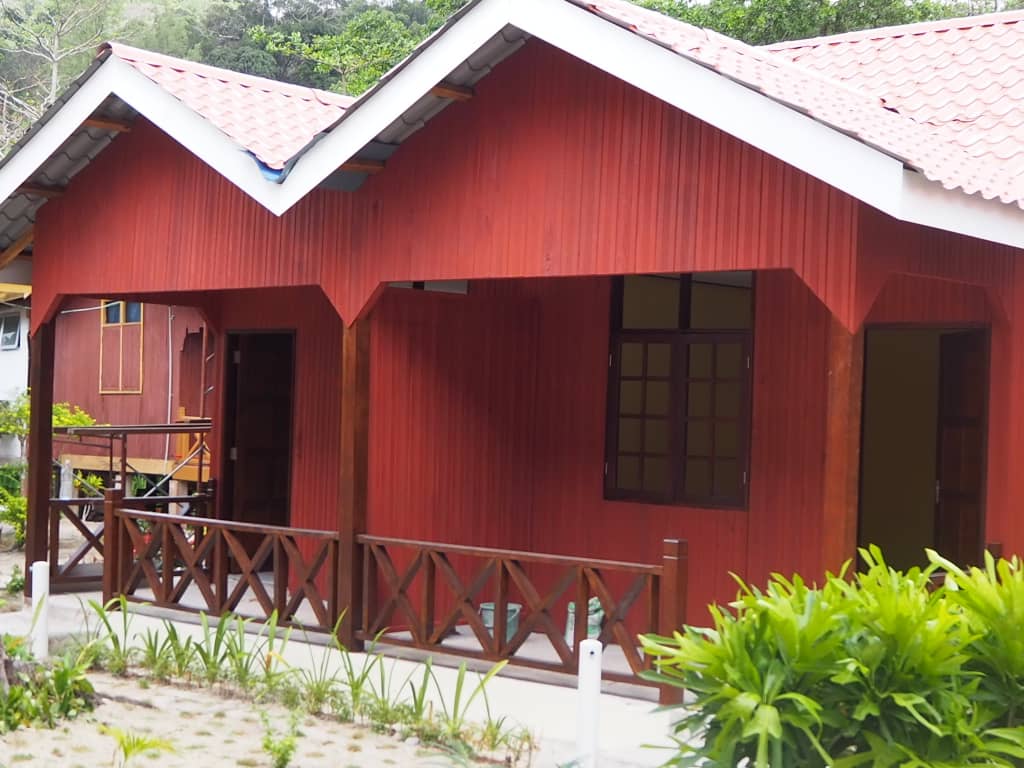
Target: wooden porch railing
<point x="202" y="564"/>
<point x="83" y="565"/>
<point x="424" y="601"/>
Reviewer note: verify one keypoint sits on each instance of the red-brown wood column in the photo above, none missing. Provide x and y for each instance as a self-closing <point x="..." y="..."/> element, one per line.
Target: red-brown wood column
<point x="40" y="445"/>
<point x="355" y="433"/>
<point x="842" y="446"/>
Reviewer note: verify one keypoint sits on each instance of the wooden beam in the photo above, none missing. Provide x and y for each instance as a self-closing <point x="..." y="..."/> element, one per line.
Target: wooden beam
<point x="38" y="190"/>
<point x="842" y="445"/>
<point x="363" y="166"/>
<point x="452" y="91"/>
<point x="40" y="443"/>
<point x="355" y="442"/>
<point x="15" y="249"/>
<point x="107" y="124"/>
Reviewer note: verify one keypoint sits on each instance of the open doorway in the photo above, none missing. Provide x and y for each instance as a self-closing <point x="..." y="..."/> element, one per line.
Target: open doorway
<point x="256" y="485"/>
<point x="924" y="442"/>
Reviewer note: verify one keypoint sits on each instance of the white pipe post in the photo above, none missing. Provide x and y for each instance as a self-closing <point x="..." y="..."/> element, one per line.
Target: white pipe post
<point x="40" y="610"/>
<point x="589" y="703"/>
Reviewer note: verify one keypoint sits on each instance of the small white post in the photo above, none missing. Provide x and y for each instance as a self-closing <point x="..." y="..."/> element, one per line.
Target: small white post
<point x="40" y="610"/>
<point x="589" y="703"/>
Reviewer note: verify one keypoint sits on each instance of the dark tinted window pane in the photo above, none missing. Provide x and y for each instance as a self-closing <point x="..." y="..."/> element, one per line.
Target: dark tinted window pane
<point x="698" y="477"/>
<point x="727" y="399"/>
<point x="650" y="302"/>
<point x="656" y="477"/>
<point x="727" y="439"/>
<point x="112" y="312"/>
<point x="629" y="435"/>
<point x="700" y="361"/>
<point x="632" y="362"/>
<point x="132" y="312"/>
<point x="10" y="326"/>
<point x="631" y="397"/>
<point x="727" y="479"/>
<point x="655" y="436"/>
<point x="721" y="300"/>
<point x="698" y="403"/>
<point x="729" y="361"/>
<point x="657" y="398"/>
<point x="698" y="438"/>
<point x="629" y="472"/>
<point x="659" y="360"/>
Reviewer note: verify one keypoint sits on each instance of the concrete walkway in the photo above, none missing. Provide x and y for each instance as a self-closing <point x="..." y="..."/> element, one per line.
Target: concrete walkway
<point x="549" y="711"/>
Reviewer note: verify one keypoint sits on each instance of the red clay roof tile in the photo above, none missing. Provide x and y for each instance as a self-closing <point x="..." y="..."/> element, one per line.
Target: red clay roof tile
<point x="270" y="119"/>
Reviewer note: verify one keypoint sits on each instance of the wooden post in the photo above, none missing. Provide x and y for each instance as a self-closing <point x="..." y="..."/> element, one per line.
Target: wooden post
<point x="113" y="546"/>
<point x="40" y="447"/>
<point x="842" y="446"/>
<point x="672" y="611"/>
<point x="355" y="428"/>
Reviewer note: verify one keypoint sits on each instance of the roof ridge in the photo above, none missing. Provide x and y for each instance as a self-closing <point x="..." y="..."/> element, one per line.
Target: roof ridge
<point x="153" y="58"/>
<point x="901" y="30"/>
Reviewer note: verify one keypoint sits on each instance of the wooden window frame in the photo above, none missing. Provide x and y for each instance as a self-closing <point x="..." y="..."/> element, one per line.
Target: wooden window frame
<point x="120" y="325"/>
<point x="679" y="383"/>
<point x="17" y="333"/>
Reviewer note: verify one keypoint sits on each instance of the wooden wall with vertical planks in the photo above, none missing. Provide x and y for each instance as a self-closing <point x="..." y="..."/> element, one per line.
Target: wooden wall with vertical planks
<point x="487" y="411"/>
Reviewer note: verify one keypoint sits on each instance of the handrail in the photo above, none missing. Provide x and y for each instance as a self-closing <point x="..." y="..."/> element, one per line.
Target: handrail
<point x="511" y="554"/>
<point x="230" y="525"/>
<point x="115" y="430"/>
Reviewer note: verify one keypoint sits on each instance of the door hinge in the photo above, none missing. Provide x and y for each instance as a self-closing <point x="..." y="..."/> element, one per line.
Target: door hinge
<point x="609" y="359"/>
<point x="744" y="477"/>
<point x="606" y="469"/>
<point x="233" y="453"/>
<point x="236" y="356"/>
<point x="938" y="491"/>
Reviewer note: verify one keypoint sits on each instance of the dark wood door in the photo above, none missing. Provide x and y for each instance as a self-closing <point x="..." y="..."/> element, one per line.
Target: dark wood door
<point x="259" y="427"/>
<point x="963" y="413"/>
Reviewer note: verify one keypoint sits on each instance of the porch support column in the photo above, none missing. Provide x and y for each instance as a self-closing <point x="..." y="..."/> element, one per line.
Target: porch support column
<point x="40" y="445"/>
<point x="355" y="432"/>
<point x="842" y="445"/>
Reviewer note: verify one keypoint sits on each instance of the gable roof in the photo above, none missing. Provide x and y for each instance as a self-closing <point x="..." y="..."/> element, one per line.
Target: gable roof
<point x="270" y="119"/>
<point x="962" y="78"/>
<point x="277" y="142"/>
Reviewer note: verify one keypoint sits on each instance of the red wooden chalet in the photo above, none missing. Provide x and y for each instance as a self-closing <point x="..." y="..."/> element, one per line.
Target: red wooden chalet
<point x="579" y="303"/>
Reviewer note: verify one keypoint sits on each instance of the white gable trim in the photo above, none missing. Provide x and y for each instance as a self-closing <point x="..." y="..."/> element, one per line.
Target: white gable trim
<point x="827" y="154"/>
<point x="116" y="77"/>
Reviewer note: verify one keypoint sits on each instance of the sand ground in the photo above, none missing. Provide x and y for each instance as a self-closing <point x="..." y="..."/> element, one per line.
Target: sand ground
<point x="207" y="731"/>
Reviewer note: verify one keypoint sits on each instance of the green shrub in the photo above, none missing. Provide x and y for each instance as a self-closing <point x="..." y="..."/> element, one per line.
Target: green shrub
<point x="15" y="582"/>
<point x="879" y="670"/>
<point x="10" y="477"/>
<point x="13" y="512"/>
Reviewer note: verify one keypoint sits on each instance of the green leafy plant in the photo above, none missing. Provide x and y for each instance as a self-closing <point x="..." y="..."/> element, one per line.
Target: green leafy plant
<point x="15" y="582"/>
<point x="357" y="678"/>
<point x="181" y="651"/>
<point x="131" y="744"/>
<point x="454" y="717"/>
<point x="243" y="660"/>
<point x="14" y="512"/>
<point x="155" y="654"/>
<point x="871" y="671"/>
<point x="280" y="746"/>
<point x="115" y="634"/>
<point x="212" y="649"/>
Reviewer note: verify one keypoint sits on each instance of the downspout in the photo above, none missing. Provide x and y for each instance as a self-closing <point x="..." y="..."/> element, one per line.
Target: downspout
<point x="170" y="382"/>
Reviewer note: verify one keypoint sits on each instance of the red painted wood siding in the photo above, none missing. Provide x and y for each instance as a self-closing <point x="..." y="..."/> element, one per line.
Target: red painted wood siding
<point x="488" y="419"/>
<point x="554" y="168"/>
<point x="487" y="413"/>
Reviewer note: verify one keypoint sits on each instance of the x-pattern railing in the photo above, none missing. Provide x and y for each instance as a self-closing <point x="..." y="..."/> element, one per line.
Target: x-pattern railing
<point x="70" y="569"/>
<point x="168" y="554"/>
<point x="429" y="597"/>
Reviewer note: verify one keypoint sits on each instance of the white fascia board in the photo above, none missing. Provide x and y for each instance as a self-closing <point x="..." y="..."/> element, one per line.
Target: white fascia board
<point x="369" y="118"/>
<point x="47" y="140"/>
<point x="193" y="131"/>
<point x="932" y="205"/>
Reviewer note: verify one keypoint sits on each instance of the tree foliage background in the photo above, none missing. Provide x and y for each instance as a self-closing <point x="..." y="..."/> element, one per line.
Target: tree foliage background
<point x="342" y="45"/>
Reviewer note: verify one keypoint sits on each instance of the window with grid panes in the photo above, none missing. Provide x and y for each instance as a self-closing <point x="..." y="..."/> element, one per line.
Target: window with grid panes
<point x="679" y="393"/>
